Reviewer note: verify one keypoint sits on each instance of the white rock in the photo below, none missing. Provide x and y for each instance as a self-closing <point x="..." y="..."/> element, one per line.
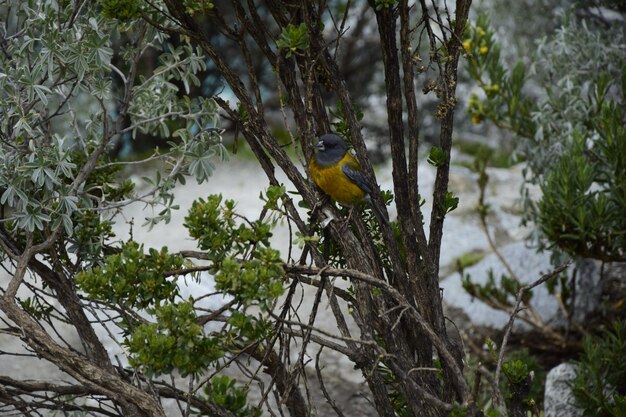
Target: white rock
<point x="529" y="266"/>
<point x="559" y="400"/>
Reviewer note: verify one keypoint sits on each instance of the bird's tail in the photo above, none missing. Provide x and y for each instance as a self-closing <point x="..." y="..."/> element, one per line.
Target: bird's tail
<point x="380" y="216"/>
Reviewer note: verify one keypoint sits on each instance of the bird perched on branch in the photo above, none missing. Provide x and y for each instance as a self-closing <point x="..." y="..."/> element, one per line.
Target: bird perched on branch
<point x="339" y="174"/>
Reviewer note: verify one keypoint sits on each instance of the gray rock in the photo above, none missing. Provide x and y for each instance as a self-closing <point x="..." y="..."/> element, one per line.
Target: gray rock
<point x="588" y="289"/>
<point x="559" y="399"/>
<point x="529" y="266"/>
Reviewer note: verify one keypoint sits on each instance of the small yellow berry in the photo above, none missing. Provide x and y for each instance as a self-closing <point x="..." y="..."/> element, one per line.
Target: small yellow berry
<point x="483" y="50"/>
<point x="467" y="45"/>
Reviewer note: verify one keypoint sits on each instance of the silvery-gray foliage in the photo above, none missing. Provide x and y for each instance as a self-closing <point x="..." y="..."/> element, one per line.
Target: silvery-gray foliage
<point x="64" y="99"/>
<point x="568" y="64"/>
<point x="73" y="84"/>
<point x="580" y="68"/>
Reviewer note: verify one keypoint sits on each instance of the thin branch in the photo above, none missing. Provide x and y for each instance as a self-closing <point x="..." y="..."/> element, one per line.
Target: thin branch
<point x="36" y="385"/>
<point x="517" y="309"/>
<point x="318" y="371"/>
<point x="341" y="293"/>
<point x="495" y="390"/>
<point x="459" y="379"/>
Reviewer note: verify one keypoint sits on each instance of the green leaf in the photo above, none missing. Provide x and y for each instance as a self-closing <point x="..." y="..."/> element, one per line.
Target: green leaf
<point x="437" y="156"/>
<point x="517" y="78"/>
<point x="273" y="194"/>
<point x="294" y="39"/>
<point x="451" y="202"/>
<point x="41" y="91"/>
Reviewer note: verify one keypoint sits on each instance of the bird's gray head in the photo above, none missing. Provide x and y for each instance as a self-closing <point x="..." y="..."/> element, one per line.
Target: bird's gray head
<point x="329" y="150"/>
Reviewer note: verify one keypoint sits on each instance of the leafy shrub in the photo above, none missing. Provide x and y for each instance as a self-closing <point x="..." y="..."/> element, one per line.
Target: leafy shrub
<point x="600" y="383"/>
<point x="571" y="134"/>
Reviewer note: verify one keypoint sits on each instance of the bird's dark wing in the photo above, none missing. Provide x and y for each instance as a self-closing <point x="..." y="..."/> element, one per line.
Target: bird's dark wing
<point x="357" y="177"/>
<point x="354" y="174"/>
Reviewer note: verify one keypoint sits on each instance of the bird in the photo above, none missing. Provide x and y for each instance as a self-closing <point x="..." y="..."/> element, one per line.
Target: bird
<point x="339" y="175"/>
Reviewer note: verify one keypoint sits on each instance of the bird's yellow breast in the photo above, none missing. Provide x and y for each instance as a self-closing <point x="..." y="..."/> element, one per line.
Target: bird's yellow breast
<point x="334" y="182"/>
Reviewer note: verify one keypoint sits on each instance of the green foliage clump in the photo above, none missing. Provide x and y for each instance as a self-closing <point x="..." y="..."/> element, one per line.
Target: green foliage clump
<point x="89" y="232"/>
<point x="341" y="125"/>
<point x="600" y="383"/>
<point x="521" y="385"/>
<point x="244" y="264"/>
<point x="244" y="267"/>
<point x="36" y="308"/>
<point x="524" y="382"/>
<point x="30" y="174"/>
<point x="501" y="293"/>
<point x="396" y="396"/>
<point x="294" y="39"/>
<point x="273" y="195"/>
<point x="584" y="196"/>
<point x="174" y="341"/>
<point x="385" y="4"/>
<point x="458" y="411"/>
<point x="132" y="278"/>
<point x="502" y="101"/>
<point x="214" y="226"/>
<point x="223" y="391"/>
<point x="450" y="203"/>
<point x="468" y="259"/>
<point x="193" y="7"/>
<point x="247" y="329"/>
<point x="121" y="9"/>
<point x="258" y="279"/>
<point x="437" y="156"/>
<point x="515" y="370"/>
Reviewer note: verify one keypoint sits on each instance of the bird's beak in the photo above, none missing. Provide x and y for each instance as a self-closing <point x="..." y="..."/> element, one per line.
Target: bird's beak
<point x="319" y="146"/>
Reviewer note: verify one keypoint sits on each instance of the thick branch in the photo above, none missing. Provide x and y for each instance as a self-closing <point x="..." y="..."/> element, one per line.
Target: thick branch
<point x="91" y="376"/>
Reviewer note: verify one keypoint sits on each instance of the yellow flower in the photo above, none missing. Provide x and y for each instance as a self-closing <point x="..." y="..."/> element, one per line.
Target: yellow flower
<point x="483" y="50"/>
<point x="467" y="45"/>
